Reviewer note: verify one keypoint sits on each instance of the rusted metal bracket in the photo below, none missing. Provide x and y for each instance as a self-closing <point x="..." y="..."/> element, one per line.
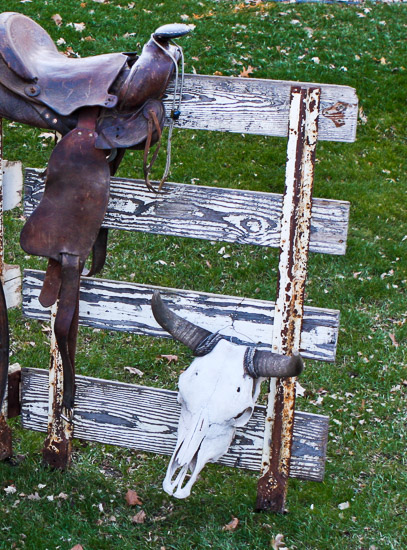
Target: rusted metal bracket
<point x="58" y="444"/>
<point x="11" y="409"/>
<point x="14" y="391"/>
<point x="294" y="245"/>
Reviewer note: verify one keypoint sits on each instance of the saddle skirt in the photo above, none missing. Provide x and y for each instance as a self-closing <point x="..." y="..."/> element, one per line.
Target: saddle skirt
<point x="71" y="211"/>
<point x="32" y="67"/>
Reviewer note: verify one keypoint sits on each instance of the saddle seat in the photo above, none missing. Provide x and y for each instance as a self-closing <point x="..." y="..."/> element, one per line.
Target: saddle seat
<point x="32" y="67"/>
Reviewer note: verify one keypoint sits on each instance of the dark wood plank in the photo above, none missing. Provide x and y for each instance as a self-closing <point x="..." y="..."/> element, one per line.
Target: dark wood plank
<point x="144" y="418"/>
<point x="123" y="306"/>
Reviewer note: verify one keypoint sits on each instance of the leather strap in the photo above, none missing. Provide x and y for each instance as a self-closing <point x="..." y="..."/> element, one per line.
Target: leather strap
<point x="98" y="253"/>
<point x="51" y="285"/>
<point x="66" y="323"/>
<point x="100" y="246"/>
<point x="152" y="118"/>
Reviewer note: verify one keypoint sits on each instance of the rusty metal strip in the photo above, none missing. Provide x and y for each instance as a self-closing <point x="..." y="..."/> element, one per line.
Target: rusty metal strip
<point x="14" y="391"/>
<point x="6" y="449"/>
<point x="294" y="245"/>
<point x="58" y="444"/>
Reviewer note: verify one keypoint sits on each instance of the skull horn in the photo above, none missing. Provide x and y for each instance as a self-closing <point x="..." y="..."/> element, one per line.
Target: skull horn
<point x="262" y="363"/>
<point x="182" y="330"/>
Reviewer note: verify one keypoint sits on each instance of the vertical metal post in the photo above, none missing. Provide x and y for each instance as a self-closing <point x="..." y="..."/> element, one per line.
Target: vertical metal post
<point x="6" y="449"/>
<point x="294" y="245"/>
<point x="58" y="444"/>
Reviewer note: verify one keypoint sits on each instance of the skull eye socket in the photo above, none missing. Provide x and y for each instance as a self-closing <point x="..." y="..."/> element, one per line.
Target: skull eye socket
<point x="244" y="416"/>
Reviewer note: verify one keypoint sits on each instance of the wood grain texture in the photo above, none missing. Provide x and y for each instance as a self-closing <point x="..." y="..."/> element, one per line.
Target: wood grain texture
<point x="12" y="184"/>
<point x="257" y="106"/>
<point x="123" y="306"/>
<point x="12" y="285"/>
<point x="144" y="418"/>
<point x="211" y="213"/>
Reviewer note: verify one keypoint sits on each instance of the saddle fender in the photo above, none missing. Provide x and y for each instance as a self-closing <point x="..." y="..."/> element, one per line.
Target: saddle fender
<point x="125" y="131"/>
<point x="64" y="228"/>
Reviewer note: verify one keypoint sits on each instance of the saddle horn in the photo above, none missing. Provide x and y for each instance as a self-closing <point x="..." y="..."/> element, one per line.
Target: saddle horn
<point x="171" y="31"/>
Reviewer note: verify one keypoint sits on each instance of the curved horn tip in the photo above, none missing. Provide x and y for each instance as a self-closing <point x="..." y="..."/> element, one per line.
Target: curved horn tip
<point x="296" y="363"/>
<point x="156" y="301"/>
<point x="156" y="297"/>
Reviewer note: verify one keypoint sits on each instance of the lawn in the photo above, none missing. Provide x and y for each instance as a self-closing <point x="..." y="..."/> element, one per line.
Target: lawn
<point x="363" y="393"/>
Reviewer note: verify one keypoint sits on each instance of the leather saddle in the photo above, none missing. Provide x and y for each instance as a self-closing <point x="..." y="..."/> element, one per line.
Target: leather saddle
<point x="101" y="105"/>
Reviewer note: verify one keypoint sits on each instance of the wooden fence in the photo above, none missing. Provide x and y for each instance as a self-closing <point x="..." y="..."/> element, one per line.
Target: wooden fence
<point x="278" y="441"/>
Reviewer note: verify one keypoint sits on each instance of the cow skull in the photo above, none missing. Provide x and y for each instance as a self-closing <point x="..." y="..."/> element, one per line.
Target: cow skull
<point x="217" y="394"/>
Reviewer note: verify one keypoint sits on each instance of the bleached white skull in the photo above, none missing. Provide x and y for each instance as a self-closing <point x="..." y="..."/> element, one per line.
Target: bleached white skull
<point x="217" y="394"/>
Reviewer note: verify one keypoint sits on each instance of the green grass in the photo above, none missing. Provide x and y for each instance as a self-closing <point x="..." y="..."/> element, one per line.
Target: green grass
<point x="364" y="392"/>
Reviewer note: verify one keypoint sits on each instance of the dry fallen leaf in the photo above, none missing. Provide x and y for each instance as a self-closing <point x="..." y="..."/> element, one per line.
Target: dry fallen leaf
<point x="57" y="19"/>
<point x="393" y="340"/>
<point x="140" y="517"/>
<point x="132" y="498"/>
<point x="69" y="52"/>
<point x="343" y="505"/>
<point x="362" y="116"/>
<point x="299" y="390"/>
<point x="246" y="72"/>
<point x="209" y="14"/>
<point x="278" y="543"/>
<point x="133" y="370"/>
<point x="231" y="526"/>
<point x="170" y="358"/>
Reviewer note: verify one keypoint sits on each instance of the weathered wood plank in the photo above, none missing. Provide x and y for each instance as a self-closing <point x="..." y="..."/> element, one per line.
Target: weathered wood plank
<point x="144" y="418"/>
<point x="57" y="450"/>
<point x="12" y="184"/>
<point x="244" y="217"/>
<point x="12" y="285"/>
<point x="256" y="106"/>
<point x="123" y="306"/>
